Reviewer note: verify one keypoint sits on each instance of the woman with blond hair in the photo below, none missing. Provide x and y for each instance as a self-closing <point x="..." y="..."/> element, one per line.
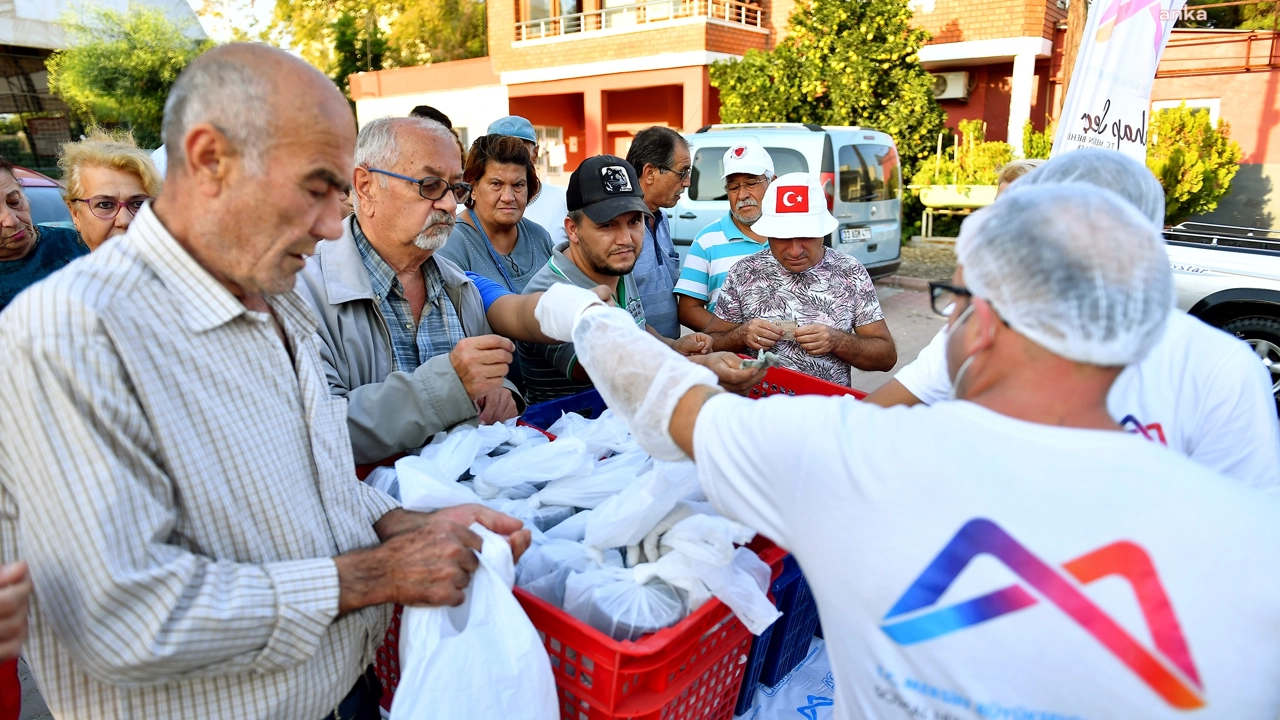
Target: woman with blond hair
<point x="108" y="178"/>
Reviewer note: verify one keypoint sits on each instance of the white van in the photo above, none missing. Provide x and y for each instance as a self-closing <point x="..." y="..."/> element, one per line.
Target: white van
<point x="859" y="170"/>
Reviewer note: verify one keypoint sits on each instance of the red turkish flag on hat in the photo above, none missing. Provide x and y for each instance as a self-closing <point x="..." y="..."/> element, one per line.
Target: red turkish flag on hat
<point x="793" y="199"/>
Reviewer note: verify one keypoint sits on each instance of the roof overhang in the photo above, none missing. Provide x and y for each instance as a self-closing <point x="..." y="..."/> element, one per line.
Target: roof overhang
<point x="983" y="52"/>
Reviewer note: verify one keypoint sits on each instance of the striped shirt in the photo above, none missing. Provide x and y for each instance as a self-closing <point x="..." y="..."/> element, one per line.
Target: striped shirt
<point x="179" y="483"/>
<point x="716" y="248"/>
<point x="548" y="369"/>
<point x="439" y="328"/>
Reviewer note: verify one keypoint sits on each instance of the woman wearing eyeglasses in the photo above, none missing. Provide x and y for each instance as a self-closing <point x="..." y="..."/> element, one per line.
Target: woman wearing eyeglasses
<point x="108" y="178"/>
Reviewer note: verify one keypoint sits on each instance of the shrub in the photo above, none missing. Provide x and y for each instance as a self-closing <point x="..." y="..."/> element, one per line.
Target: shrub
<point x="1194" y="160"/>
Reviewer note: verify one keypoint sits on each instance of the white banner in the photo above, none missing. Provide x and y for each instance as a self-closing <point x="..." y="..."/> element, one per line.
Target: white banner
<point x="1109" y="99"/>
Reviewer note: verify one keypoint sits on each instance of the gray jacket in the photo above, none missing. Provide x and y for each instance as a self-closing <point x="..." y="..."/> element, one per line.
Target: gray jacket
<point x="388" y="411"/>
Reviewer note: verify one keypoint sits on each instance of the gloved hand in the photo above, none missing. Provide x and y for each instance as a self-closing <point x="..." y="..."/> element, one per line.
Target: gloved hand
<point x="560" y="307"/>
<point x="681" y="511"/>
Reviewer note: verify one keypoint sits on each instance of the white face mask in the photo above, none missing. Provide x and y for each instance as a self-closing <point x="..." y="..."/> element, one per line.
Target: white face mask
<point x="955" y="383"/>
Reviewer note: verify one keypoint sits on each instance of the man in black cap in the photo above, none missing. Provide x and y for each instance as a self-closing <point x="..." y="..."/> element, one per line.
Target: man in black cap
<point x="606" y="231"/>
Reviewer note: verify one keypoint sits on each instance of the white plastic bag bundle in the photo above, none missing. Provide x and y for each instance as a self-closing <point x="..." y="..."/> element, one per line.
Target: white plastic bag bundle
<point x="575" y="528"/>
<point x="612" y="601"/>
<point x="607" y="433"/>
<point x="741" y="584"/>
<point x="384" y="479"/>
<point x="535" y="464"/>
<point x="421" y="489"/>
<point x="544" y="568"/>
<point x="706" y="538"/>
<point x="482" y="659"/>
<point x="542" y="517"/>
<point x="448" y="455"/>
<point x="608" y="478"/>
<point x="627" y="517"/>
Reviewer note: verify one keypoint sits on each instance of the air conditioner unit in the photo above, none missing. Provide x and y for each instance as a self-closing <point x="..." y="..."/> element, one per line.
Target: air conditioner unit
<point x="951" y="86"/>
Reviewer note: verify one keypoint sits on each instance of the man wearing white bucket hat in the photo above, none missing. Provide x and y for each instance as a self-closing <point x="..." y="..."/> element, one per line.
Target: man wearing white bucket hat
<point x="820" y="305"/>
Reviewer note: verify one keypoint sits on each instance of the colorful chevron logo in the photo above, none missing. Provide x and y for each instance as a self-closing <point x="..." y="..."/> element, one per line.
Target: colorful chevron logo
<point x="1168" y="669"/>
<point x="1153" y="432"/>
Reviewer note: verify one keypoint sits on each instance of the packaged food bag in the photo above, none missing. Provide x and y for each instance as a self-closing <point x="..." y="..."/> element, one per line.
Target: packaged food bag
<point x="482" y="659"/>
<point x="614" y="602"/>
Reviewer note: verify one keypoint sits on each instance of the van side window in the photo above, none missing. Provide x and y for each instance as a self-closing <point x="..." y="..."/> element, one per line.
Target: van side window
<point x="868" y="173"/>
<point x="708" y="165"/>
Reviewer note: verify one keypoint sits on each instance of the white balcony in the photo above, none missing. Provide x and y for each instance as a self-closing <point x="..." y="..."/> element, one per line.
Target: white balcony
<point x="635" y="16"/>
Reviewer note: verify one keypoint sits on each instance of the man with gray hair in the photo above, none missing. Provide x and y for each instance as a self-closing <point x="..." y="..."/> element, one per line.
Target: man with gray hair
<point x="662" y="162"/>
<point x="407" y="337"/>
<point x="1200" y="392"/>
<point x="172" y="465"/>
<point x="1058" y="288"/>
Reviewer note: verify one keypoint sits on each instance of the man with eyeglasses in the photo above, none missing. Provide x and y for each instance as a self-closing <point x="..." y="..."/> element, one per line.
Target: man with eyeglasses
<point x="748" y="169"/>
<point x="1010" y="554"/>
<point x="28" y="252"/>
<point x="662" y="162"/>
<point x="412" y="342"/>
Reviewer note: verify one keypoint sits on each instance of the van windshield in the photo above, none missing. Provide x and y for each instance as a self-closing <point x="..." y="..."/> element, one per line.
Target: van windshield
<point x="868" y="173"/>
<point x="708" y="165"/>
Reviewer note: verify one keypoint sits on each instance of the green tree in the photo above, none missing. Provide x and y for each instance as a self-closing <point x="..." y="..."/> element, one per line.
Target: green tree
<point x="1192" y="159"/>
<point x="415" y="32"/>
<point x="1037" y="145"/>
<point x="355" y="49"/>
<point x="842" y="63"/>
<point x="120" y="67"/>
<point x="970" y="159"/>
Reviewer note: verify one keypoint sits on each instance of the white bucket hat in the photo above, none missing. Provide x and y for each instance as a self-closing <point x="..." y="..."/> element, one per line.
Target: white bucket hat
<point x="795" y="206"/>
<point x="747" y="157"/>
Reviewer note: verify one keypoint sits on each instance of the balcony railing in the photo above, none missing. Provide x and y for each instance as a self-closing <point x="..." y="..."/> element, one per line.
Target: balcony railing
<point x="639" y="15"/>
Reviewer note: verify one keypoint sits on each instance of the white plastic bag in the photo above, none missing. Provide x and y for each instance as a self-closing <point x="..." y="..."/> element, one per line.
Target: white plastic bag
<point x="541" y="517"/>
<point x="535" y="464"/>
<point x="575" y="528"/>
<point x="482" y="659"/>
<point x="808" y="691"/>
<point x="609" y="478"/>
<point x="384" y="479"/>
<point x="612" y="601"/>
<point x="708" y="539"/>
<point x="627" y="517"/>
<point x="421" y="489"/>
<point x="607" y="433"/>
<point x="544" y="568"/>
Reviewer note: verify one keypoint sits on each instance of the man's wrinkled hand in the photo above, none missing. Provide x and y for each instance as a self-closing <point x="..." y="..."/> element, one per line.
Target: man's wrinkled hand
<point x="15" y="592"/>
<point x="481" y="363"/>
<point x="693" y="344"/>
<point x="501" y="523"/>
<point x="817" y="339"/>
<point x="497" y="405"/>
<point x="728" y="369"/>
<point x="759" y="334"/>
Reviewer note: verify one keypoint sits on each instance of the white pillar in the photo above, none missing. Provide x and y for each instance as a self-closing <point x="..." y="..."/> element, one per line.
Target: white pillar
<point x="1024" y="77"/>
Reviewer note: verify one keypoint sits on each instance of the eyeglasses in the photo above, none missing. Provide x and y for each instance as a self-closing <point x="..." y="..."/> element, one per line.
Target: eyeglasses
<point x="684" y="175"/>
<point x="747" y="184"/>
<point x="433" y="188"/>
<point x="942" y="296"/>
<point x="105" y="207"/>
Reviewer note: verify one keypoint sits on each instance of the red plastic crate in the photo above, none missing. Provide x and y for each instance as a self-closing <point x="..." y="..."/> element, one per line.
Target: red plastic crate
<point x="690" y="671"/>
<point x="783" y="381"/>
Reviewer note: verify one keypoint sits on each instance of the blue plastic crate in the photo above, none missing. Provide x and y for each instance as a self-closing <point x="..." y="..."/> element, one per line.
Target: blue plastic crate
<point x="543" y="415"/>
<point x="751" y="677"/>
<point x="794" y="630"/>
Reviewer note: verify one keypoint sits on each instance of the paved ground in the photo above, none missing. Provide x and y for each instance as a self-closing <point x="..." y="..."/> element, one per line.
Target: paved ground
<point x="913" y="325"/>
<point x="33" y="707"/>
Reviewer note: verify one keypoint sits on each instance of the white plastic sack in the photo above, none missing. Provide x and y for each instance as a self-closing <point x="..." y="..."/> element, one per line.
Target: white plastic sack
<point x="544" y="568"/>
<point x="421" y="489"/>
<point x="541" y="517"/>
<point x="627" y="517"/>
<point x="482" y="659"/>
<point x="610" y="476"/>
<point x="448" y="455"/>
<point x="613" y="602"/>
<point x="742" y="586"/>
<point x="575" y="528"/>
<point x="535" y="464"/>
<point x="607" y="433"/>
<point x="649" y="548"/>
<point x="708" y="539"/>
<point x="808" y="691"/>
<point x="385" y="479"/>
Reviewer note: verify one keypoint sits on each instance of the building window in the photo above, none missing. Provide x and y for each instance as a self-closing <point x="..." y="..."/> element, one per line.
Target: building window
<point x="551" y="149"/>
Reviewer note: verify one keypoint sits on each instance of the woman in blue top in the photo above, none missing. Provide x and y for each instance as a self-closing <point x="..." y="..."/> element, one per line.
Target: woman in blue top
<point x="28" y="252"/>
<point x="493" y="238"/>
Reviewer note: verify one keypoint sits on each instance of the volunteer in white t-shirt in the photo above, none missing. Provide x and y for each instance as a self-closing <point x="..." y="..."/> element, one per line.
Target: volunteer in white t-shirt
<point x="1199" y="391"/>
<point x="1013" y="554"/>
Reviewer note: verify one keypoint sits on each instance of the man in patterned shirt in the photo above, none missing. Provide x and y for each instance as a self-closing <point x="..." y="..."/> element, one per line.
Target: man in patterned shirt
<point x="813" y="306"/>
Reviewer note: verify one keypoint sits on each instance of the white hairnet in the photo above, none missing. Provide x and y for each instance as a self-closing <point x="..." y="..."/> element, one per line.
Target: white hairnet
<point x="1074" y="268"/>
<point x="1108" y="169"/>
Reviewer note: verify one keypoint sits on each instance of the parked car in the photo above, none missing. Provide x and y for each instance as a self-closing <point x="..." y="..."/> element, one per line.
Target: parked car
<point x="45" y="194"/>
<point x="858" y="167"/>
<point x="1229" y="277"/>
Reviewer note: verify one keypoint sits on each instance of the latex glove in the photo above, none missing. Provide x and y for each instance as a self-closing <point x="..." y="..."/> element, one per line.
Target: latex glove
<point x="560" y="307"/>
<point x="681" y="511"/>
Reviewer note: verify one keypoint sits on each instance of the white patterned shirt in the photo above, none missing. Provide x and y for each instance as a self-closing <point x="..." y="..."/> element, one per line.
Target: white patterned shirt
<point x="179" y="484"/>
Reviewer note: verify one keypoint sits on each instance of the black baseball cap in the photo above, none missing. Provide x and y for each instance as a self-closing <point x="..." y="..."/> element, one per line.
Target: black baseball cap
<point x="604" y="187"/>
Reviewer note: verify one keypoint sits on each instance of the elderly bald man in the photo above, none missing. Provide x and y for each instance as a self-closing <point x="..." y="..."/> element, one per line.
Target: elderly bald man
<point x="172" y="465"/>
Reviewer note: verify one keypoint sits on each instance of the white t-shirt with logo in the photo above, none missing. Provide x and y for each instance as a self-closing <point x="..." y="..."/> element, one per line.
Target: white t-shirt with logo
<point x="1005" y="569"/>
<point x="1200" y="392"/>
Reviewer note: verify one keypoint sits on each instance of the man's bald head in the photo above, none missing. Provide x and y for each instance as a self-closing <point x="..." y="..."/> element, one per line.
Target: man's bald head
<point x="252" y="94"/>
